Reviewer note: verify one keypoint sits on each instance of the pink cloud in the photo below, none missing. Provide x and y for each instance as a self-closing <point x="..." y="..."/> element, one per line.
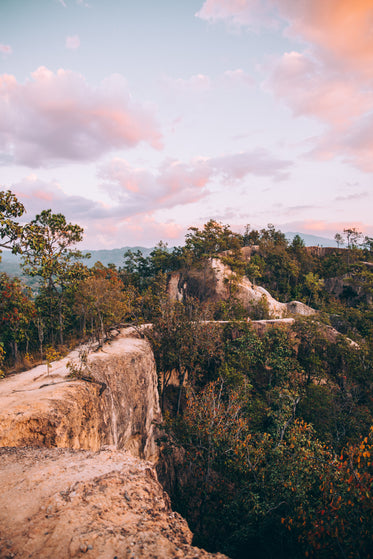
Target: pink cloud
<point x="58" y="117"/>
<point x="38" y="194"/>
<point x="132" y="231"/>
<point x="6" y="49"/>
<point x="257" y="162"/>
<point x="354" y="144"/>
<point x="338" y="28"/>
<point x="139" y="190"/>
<point x="72" y="42"/>
<point x="310" y="89"/>
<point x="147" y="229"/>
<point x="104" y="226"/>
<point x="237" y="12"/>
<point x="142" y="191"/>
<point x="332" y="78"/>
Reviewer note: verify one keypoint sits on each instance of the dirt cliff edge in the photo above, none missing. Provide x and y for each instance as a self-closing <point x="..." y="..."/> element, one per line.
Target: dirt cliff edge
<point x="64" y="491"/>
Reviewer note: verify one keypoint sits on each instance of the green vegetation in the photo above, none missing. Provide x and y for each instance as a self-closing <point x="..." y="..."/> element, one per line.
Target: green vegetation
<point x="275" y="421"/>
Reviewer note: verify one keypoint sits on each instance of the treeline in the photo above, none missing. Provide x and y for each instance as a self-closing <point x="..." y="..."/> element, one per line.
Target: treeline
<point x="68" y="301"/>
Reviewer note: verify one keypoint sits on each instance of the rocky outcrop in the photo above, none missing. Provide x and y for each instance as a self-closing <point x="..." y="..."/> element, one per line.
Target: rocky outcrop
<point x="346" y="288"/>
<point x="104" y="501"/>
<point x="108" y="504"/>
<point x="222" y="282"/>
<point x="249" y="294"/>
<point x="53" y="410"/>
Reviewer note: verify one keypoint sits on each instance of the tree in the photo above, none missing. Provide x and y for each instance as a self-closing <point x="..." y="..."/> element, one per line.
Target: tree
<point x="213" y="238"/>
<point x="45" y="247"/>
<point x="250" y="237"/>
<point x="141" y="271"/>
<point x="314" y="286"/>
<point x="10" y="229"/>
<point x="298" y="243"/>
<point x="16" y="313"/>
<point x="184" y="343"/>
<point x="102" y="302"/>
<point x="352" y="236"/>
<point x="338" y="239"/>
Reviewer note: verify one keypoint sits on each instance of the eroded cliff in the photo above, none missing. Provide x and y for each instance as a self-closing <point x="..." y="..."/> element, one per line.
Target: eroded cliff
<point x="105" y="501"/>
<point x="59" y="503"/>
<point x="37" y="408"/>
<point x="220" y="279"/>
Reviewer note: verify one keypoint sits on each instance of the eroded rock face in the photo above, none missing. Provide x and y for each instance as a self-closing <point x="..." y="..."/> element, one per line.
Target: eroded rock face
<point x="59" y="503"/>
<point x="104" y="502"/>
<point x="53" y="410"/>
<point x="245" y="291"/>
<point x="249" y="294"/>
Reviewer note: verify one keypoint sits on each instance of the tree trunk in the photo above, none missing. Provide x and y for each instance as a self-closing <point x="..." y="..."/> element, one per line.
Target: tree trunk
<point x="180" y="391"/>
<point x="60" y="319"/>
<point x="15" y="349"/>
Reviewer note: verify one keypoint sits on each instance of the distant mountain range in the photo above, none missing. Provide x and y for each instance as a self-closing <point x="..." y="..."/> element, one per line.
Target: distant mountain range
<point x="10" y="263"/>
<point x="312" y="240"/>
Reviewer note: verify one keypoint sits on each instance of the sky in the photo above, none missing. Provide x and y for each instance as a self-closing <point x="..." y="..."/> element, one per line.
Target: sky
<point x="137" y="119"/>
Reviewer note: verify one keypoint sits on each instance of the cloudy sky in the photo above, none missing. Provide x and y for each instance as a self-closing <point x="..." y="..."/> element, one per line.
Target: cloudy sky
<point x="140" y="118"/>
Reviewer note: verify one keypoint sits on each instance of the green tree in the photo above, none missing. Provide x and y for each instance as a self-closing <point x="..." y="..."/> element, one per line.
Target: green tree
<point x="10" y="229"/>
<point x="183" y="343"/>
<point x="297" y="243"/>
<point x="17" y="311"/>
<point x="102" y="302"/>
<point x="46" y="243"/>
<point x="212" y="239"/>
<point x="314" y="286"/>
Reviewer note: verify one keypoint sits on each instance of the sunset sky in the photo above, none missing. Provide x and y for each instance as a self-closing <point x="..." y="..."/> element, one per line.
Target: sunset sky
<point x="139" y="118"/>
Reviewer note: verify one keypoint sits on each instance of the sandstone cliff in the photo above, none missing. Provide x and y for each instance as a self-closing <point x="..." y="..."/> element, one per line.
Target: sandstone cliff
<point x="54" y="410"/>
<point x="104" y="501"/>
<point x="221" y="276"/>
<point x="62" y="503"/>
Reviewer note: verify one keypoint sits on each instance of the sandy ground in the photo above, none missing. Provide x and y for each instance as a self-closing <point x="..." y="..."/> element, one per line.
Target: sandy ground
<point x="59" y="503"/>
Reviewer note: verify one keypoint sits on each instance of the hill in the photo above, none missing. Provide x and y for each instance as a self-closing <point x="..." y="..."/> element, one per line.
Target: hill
<point x="10" y="263"/>
<point x="312" y="240"/>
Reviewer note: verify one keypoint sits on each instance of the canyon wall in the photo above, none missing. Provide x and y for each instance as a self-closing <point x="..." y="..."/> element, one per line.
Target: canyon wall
<point x="77" y="463"/>
<point x="60" y="503"/>
<point x="53" y="410"/>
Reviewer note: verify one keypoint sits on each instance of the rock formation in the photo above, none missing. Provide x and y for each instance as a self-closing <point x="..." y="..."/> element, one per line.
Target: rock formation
<point x="37" y="408"/>
<point x="101" y="502"/>
<point x="245" y="291"/>
<point x="59" y="503"/>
